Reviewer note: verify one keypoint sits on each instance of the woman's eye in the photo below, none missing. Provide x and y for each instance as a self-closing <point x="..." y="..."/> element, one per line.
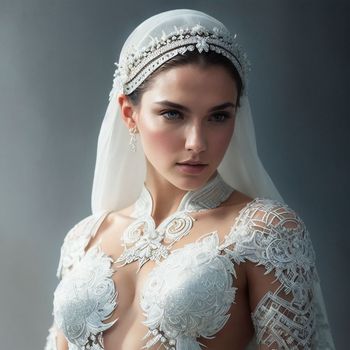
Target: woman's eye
<point x="220" y="117"/>
<point x="171" y="115"/>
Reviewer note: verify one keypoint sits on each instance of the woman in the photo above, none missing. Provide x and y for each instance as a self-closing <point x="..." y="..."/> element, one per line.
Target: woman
<point x="189" y="243"/>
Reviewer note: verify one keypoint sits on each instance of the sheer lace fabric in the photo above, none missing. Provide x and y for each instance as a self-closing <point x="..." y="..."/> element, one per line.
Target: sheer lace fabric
<point x="85" y="298"/>
<point x="189" y="294"/>
<point x="272" y="235"/>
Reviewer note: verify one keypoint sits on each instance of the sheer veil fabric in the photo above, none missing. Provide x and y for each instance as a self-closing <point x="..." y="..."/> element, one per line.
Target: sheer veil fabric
<point x="119" y="173"/>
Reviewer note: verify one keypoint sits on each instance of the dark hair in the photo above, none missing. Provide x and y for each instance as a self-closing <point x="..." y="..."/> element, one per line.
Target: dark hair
<point x="206" y="59"/>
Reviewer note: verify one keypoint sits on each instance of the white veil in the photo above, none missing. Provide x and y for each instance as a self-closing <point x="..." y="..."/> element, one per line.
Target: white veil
<point x="119" y="173"/>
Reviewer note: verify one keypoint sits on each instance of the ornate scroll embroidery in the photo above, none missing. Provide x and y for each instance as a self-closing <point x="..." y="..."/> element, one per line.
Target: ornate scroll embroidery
<point x="84" y="299"/>
<point x="188" y="294"/>
<point x="142" y="241"/>
<point x="272" y="235"/>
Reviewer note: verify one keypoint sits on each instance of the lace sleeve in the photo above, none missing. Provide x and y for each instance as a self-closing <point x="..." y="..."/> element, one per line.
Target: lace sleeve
<point x="72" y="250"/>
<point x="280" y="262"/>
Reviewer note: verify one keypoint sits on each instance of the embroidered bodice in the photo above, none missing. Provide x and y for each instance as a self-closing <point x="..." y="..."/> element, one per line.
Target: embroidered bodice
<point x="190" y="291"/>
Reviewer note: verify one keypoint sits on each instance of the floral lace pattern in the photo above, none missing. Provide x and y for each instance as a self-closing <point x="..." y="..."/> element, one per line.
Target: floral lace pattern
<point x="189" y="293"/>
<point x="272" y="235"/>
<point x="143" y="241"/>
<point x="84" y="299"/>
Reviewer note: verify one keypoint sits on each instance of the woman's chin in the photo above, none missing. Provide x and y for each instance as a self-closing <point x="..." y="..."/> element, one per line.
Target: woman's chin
<point x="192" y="182"/>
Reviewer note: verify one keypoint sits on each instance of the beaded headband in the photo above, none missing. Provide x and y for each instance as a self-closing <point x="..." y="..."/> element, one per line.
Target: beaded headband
<point x="137" y="65"/>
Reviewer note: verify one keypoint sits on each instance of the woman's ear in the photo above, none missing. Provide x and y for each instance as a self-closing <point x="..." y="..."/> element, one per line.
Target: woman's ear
<point x="128" y="111"/>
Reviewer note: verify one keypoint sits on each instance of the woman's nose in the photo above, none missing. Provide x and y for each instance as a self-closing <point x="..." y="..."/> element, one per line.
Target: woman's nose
<point x="195" y="139"/>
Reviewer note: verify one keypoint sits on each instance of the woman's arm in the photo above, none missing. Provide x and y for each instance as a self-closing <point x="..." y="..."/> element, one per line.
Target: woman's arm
<point x="274" y="244"/>
<point x="281" y="320"/>
<point x="281" y="281"/>
<point x="56" y="339"/>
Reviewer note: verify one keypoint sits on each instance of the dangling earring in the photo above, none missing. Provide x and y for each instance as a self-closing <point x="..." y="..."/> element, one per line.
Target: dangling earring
<point x="132" y="142"/>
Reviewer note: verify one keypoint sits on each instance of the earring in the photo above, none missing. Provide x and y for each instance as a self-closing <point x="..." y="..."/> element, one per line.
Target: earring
<point x="132" y="142"/>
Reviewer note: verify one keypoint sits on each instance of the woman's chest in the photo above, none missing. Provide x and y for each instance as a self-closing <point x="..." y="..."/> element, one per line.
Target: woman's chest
<point x="185" y="296"/>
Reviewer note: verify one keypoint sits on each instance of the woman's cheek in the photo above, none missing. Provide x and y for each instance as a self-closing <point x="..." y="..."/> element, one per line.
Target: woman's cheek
<point x="220" y="143"/>
<point x="160" y="141"/>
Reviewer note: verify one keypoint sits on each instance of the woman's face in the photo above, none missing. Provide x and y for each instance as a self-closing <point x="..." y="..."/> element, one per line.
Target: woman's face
<point x="187" y="115"/>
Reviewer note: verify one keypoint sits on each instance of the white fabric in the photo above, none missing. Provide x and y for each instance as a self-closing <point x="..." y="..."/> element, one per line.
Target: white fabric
<point x="84" y="298"/>
<point x="189" y="293"/>
<point x="51" y="339"/>
<point x="143" y="241"/>
<point x="170" y="33"/>
<point x="119" y="173"/>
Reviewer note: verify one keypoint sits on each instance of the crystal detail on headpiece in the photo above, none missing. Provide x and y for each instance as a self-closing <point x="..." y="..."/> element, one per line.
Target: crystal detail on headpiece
<point x="137" y="65"/>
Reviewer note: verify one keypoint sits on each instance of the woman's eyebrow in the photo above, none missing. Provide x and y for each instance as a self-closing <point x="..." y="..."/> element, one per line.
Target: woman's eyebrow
<point x="223" y="106"/>
<point x="183" y="108"/>
<point x="172" y="105"/>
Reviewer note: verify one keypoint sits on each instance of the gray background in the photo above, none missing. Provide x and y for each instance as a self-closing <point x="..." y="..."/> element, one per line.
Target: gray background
<point x="56" y="67"/>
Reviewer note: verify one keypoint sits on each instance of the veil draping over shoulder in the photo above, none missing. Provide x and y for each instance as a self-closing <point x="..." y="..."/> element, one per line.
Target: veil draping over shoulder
<point x="119" y="173"/>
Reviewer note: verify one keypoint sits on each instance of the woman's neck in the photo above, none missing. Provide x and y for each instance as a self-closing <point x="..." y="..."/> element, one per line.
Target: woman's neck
<point x="165" y="196"/>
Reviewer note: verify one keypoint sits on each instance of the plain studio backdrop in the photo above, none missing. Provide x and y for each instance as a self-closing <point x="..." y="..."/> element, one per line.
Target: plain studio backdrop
<point x="56" y="71"/>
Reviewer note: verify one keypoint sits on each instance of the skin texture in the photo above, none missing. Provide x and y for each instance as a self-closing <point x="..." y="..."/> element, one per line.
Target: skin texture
<point x="195" y="132"/>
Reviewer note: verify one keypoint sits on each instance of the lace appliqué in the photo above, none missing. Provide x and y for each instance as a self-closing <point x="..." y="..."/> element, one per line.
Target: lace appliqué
<point x="142" y="241"/>
<point x="282" y="323"/>
<point x="272" y="235"/>
<point x="84" y="299"/>
<point x="188" y="295"/>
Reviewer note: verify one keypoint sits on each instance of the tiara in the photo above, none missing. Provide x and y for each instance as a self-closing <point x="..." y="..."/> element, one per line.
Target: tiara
<point x="137" y="65"/>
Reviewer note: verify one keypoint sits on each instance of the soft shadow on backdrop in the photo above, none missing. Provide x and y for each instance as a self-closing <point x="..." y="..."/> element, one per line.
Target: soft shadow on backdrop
<point x="56" y="68"/>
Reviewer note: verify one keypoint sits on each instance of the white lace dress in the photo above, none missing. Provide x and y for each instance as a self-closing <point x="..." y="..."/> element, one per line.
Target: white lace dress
<point x="189" y="293"/>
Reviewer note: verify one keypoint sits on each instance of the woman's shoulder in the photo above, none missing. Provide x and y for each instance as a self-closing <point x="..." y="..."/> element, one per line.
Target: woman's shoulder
<point x="268" y="212"/>
<point x="269" y="232"/>
<point x="85" y="227"/>
<point x="251" y="208"/>
<point x="76" y="240"/>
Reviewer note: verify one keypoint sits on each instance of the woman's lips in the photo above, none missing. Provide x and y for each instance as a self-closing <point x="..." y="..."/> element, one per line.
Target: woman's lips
<point x="191" y="168"/>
